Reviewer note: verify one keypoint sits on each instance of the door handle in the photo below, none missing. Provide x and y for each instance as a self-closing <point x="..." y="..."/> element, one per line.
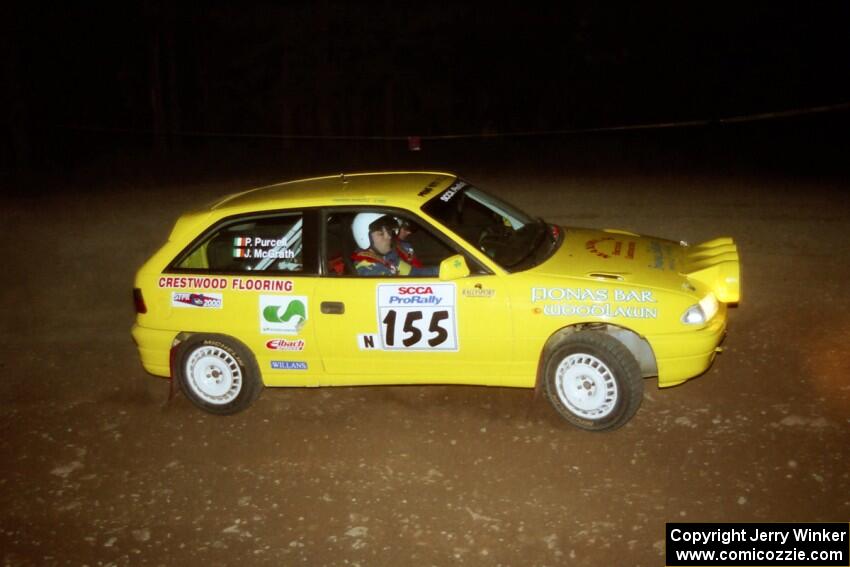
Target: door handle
<point x="333" y="307"/>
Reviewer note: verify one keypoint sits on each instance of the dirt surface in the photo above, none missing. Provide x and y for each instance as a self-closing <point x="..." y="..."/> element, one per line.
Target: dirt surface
<point x="98" y="469"/>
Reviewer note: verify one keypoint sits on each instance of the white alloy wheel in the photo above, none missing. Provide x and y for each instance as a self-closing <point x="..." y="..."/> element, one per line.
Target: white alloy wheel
<point x="213" y="374"/>
<point x="586" y="386"/>
<point x="592" y="380"/>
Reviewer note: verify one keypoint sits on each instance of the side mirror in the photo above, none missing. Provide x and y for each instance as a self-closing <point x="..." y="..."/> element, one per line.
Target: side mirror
<point x="453" y="268"/>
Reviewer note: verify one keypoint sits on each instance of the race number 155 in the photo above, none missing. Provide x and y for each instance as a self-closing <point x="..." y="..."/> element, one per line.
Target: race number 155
<point x="418" y="329"/>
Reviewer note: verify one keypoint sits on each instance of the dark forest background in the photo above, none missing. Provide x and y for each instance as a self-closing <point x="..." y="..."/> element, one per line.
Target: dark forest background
<point x="160" y="78"/>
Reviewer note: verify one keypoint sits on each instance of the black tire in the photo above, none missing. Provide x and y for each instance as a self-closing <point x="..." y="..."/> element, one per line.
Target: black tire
<point x="217" y="373"/>
<point x="593" y="381"/>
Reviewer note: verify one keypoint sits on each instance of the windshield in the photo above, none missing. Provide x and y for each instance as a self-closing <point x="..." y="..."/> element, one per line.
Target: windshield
<point x="509" y="236"/>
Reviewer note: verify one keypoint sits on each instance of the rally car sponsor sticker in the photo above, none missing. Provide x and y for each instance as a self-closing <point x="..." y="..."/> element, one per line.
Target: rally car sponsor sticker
<point x="478" y="291"/>
<point x="608" y="246"/>
<point x="413" y="316"/>
<point x="285" y="344"/>
<point x="450" y="192"/>
<point x="288" y="365"/>
<point x="430" y="187"/>
<point x="239" y="284"/>
<point x="282" y="314"/>
<point x="596" y="302"/>
<point x="197" y="300"/>
<point x="660" y="253"/>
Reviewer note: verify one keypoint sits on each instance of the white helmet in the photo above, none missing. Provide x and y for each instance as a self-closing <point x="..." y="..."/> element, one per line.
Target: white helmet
<point x="364" y="223"/>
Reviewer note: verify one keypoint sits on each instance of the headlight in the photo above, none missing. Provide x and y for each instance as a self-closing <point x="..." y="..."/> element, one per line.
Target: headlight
<point x="694" y="316"/>
<point x="709" y="306"/>
<point x="702" y="312"/>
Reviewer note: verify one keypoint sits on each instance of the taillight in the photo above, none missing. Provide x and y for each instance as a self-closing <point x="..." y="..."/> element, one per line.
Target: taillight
<point x="139" y="301"/>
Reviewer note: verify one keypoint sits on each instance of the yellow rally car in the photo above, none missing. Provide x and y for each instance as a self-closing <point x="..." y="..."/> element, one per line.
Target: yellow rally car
<point x="279" y="286"/>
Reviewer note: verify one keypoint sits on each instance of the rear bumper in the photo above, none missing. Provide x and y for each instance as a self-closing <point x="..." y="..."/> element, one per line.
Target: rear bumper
<point x="154" y="349"/>
<point x="682" y="356"/>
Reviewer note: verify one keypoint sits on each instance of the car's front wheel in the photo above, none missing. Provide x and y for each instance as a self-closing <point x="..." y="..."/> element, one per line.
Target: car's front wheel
<point x="217" y="373"/>
<point x="593" y="381"/>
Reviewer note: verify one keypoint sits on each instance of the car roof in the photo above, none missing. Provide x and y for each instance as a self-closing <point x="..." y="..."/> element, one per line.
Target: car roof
<point x="392" y="188"/>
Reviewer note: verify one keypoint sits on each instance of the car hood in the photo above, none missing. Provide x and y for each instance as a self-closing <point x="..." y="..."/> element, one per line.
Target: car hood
<point x="627" y="257"/>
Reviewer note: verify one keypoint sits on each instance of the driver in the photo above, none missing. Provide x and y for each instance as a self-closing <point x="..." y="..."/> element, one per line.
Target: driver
<point x="374" y="234"/>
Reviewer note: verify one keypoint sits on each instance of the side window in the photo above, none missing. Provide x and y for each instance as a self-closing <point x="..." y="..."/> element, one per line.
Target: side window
<point x="418" y="241"/>
<point x="339" y="244"/>
<point x="273" y="243"/>
<point x="375" y="242"/>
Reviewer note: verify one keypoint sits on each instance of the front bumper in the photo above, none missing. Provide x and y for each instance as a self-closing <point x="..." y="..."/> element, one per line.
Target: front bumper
<point x="682" y="356"/>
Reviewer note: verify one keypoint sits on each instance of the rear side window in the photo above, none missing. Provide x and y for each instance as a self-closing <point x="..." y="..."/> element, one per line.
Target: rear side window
<point x="270" y="244"/>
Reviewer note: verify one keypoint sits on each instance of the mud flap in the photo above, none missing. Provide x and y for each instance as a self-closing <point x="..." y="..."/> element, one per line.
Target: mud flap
<point x="172" y="388"/>
<point x="538" y="385"/>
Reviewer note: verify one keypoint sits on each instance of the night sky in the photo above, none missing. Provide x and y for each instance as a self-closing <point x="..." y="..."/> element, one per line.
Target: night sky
<point x="381" y="69"/>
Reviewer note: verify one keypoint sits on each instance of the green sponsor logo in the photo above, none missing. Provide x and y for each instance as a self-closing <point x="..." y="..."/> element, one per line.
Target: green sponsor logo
<point x="272" y="313"/>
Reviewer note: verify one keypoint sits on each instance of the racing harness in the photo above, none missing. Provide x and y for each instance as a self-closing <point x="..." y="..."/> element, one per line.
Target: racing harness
<point x="371" y="257"/>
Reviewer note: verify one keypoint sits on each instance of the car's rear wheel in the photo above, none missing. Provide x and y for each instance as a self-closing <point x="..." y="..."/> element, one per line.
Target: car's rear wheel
<point x="217" y="373"/>
<point x="593" y="381"/>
